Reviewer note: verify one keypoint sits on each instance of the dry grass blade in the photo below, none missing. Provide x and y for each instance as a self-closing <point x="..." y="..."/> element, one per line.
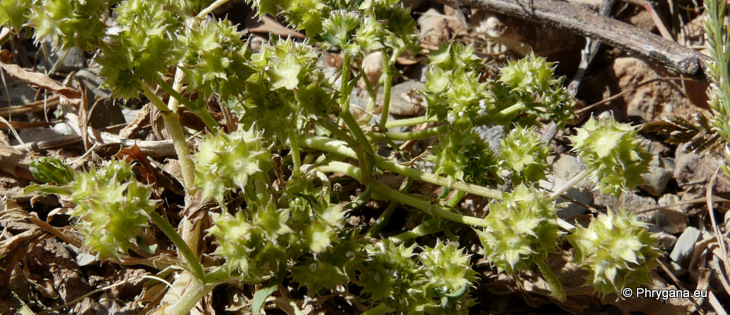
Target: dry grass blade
<point x="718" y="235"/>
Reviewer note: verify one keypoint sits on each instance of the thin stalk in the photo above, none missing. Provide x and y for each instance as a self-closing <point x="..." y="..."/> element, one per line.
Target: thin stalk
<point x="388" y="193"/>
<point x="427" y="226"/>
<point x="174" y="128"/>
<point x="334" y="146"/>
<point x="387" y="83"/>
<point x="555" y="287"/>
<point x="201" y="112"/>
<point x="410" y="121"/>
<point x="211" y="7"/>
<point x="422" y="134"/>
<point x="372" y="92"/>
<point x="295" y="154"/>
<point x="194" y="292"/>
<point x="383" y="219"/>
<point x="191" y="260"/>
<point x="344" y="89"/>
<point x="578" y="177"/>
<point x="173" y="103"/>
<point x="422" y="229"/>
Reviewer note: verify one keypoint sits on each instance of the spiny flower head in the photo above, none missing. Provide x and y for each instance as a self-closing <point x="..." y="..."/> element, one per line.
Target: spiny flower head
<point x="453" y="90"/>
<point x="465" y="156"/>
<point x="226" y="161"/>
<point x="111" y="208"/>
<point x="532" y="74"/>
<point x="392" y="275"/>
<point x="340" y="27"/>
<point x="143" y="50"/>
<point x="369" y="35"/>
<point x="69" y="23"/>
<point x="523" y="153"/>
<point x="617" y="250"/>
<point x="285" y="63"/>
<point x="521" y="228"/>
<point x="614" y="152"/>
<point x="14" y="13"/>
<point x="214" y="58"/>
<point x="529" y="82"/>
<point x="450" y="274"/>
<point x="330" y="268"/>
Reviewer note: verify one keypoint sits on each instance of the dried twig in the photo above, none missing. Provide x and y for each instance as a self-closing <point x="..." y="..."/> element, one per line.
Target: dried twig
<point x="581" y="20"/>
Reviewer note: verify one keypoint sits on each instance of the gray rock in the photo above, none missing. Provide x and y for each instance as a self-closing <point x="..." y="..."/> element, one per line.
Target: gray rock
<point x="565" y="167"/>
<point x="657" y="178"/>
<point x="670" y="221"/>
<point x="629" y="201"/>
<point x="693" y="171"/>
<point x="405" y="100"/>
<point x="684" y="246"/>
<point x="671" y="201"/>
<point x="18" y="92"/>
<point x="492" y="134"/>
<point x="667" y="241"/>
<point x="73" y="60"/>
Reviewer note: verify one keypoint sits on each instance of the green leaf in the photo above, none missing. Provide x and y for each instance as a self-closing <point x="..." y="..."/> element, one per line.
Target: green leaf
<point x="259" y="298"/>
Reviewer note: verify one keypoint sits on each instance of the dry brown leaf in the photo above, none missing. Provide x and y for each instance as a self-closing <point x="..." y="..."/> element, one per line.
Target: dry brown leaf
<point x="268" y="25"/>
<point x="142" y="118"/>
<point x="40" y="80"/>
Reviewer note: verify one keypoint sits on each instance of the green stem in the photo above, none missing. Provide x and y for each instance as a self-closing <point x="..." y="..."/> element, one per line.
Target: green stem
<point x="201" y="112"/>
<point x="410" y="121"/>
<point x="422" y="134"/>
<point x="194" y="292"/>
<point x="190" y="259"/>
<point x="334" y="146"/>
<point x="413" y="135"/>
<point x="555" y="287"/>
<point x="387" y="83"/>
<point x="295" y="154"/>
<point x="423" y="229"/>
<point x="372" y="92"/>
<point x="174" y="128"/>
<point x="383" y="219"/>
<point x="387" y="193"/>
<point x="344" y="88"/>
<point x="211" y="7"/>
<point x="428" y="226"/>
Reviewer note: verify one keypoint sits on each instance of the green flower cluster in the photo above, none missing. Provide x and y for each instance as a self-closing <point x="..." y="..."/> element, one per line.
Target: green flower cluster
<point x="436" y="283"/>
<point x="68" y="24"/>
<point x="453" y="89"/>
<point x="15" y="13"/>
<point x="285" y="83"/>
<point x="521" y="229"/>
<point x="143" y="49"/>
<point x="259" y="241"/>
<point x="214" y="59"/>
<point x="613" y="152"/>
<point x="525" y="89"/>
<point x="225" y="162"/>
<point x="350" y="25"/>
<point x="522" y="152"/>
<point x="111" y="207"/>
<point x="465" y="156"/>
<point x="617" y="250"/>
<point x="528" y="83"/>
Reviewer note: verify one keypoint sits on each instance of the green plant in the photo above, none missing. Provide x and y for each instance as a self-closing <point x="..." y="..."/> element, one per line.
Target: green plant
<point x="278" y="217"/>
<point x="617" y="250"/>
